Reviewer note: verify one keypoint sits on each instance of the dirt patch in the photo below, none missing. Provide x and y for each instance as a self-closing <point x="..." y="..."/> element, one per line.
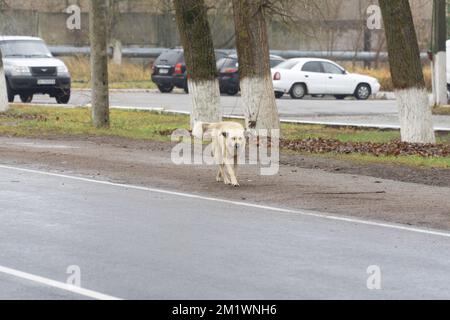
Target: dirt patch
<point x="303" y="182"/>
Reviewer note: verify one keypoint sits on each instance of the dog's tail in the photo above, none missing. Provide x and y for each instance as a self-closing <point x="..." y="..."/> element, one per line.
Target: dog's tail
<point x="199" y="129"/>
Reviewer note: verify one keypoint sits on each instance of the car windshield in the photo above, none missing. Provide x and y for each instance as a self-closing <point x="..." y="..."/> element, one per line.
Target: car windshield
<point x="289" y="64"/>
<point x="25" y="49"/>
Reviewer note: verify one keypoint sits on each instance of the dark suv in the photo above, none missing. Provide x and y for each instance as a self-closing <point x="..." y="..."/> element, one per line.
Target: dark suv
<point x="169" y="70"/>
<point x="229" y="75"/>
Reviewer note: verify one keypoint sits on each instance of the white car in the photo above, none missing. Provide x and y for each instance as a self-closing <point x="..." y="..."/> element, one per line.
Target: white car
<point x="306" y="76"/>
<point x="31" y="69"/>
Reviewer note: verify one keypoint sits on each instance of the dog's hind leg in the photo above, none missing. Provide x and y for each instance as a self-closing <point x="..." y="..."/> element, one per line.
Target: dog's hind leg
<point x="220" y="174"/>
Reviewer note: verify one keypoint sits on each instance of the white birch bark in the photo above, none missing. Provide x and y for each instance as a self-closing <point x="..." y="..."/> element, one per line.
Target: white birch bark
<point x="4" y="105"/>
<point x="259" y="103"/>
<point x="205" y="101"/>
<point x="416" y="124"/>
<point x="440" y="76"/>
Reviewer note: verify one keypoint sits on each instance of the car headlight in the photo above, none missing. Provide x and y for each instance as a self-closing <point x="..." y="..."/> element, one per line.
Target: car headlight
<point x="63" y="70"/>
<point x="20" y="71"/>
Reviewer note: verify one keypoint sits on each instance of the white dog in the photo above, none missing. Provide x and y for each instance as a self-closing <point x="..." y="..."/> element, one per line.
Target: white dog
<point x="228" y="144"/>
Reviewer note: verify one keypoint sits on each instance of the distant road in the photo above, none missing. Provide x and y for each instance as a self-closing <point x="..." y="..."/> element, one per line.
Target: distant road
<point x="328" y="110"/>
<point x="137" y="243"/>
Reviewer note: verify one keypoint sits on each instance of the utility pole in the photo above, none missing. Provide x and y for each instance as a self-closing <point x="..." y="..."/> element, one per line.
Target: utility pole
<point x="439" y="52"/>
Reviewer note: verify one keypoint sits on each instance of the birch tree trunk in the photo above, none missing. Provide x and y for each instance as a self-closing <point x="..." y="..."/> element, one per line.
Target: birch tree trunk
<point x="195" y="34"/>
<point x="4" y="105"/>
<point x="439" y="49"/>
<point x="406" y="71"/>
<point x="98" y="22"/>
<point x="257" y="91"/>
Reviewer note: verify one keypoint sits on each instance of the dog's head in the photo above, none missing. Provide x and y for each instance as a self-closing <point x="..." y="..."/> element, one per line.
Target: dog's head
<point x="234" y="140"/>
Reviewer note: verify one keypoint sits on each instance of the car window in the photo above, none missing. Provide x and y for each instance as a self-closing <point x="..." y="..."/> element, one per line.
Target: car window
<point x="289" y="64"/>
<point x="331" y="68"/>
<point x="24" y="49"/>
<point x="220" y="55"/>
<point x="313" y="66"/>
<point x="227" y="63"/>
<point x="170" y="57"/>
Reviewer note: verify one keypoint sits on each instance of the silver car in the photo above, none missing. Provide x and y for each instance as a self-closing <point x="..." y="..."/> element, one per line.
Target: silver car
<point x="31" y="69"/>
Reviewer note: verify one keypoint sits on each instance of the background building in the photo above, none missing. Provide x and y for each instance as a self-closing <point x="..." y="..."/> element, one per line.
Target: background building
<point x="326" y="25"/>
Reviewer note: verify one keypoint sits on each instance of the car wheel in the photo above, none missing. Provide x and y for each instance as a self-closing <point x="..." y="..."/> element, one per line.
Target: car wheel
<point x="11" y="94"/>
<point x="165" y="89"/>
<point x="363" y="91"/>
<point x="340" y="97"/>
<point x="279" y="94"/>
<point x="26" y="98"/>
<point x="63" y="97"/>
<point x="298" y="91"/>
<point x="232" y="91"/>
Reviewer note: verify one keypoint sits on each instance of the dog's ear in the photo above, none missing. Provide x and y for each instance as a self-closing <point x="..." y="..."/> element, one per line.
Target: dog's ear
<point x="225" y="134"/>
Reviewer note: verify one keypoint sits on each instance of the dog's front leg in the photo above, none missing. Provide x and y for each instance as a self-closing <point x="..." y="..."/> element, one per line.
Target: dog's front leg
<point x="236" y="166"/>
<point x="230" y="170"/>
<point x="226" y="178"/>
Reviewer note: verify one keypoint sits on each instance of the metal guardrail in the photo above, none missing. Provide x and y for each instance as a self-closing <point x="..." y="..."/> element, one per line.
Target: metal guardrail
<point x="130" y="52"/>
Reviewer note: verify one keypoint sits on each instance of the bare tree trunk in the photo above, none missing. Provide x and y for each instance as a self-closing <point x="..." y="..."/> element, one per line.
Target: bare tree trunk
<point x="254" y="65"/>
<point x="195" y="34"/>
<point x="4" y="105"/>
<point x="98" y="21"/>
<point x="406" y="70"/>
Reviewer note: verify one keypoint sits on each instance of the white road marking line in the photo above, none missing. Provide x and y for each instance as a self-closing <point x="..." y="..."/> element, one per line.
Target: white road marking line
<point x="57" y="284"/>
<point x="238" y="203"/>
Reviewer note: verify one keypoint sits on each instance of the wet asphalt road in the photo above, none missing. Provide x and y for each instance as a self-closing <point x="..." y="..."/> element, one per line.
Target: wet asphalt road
<point x="136" y="243"/>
